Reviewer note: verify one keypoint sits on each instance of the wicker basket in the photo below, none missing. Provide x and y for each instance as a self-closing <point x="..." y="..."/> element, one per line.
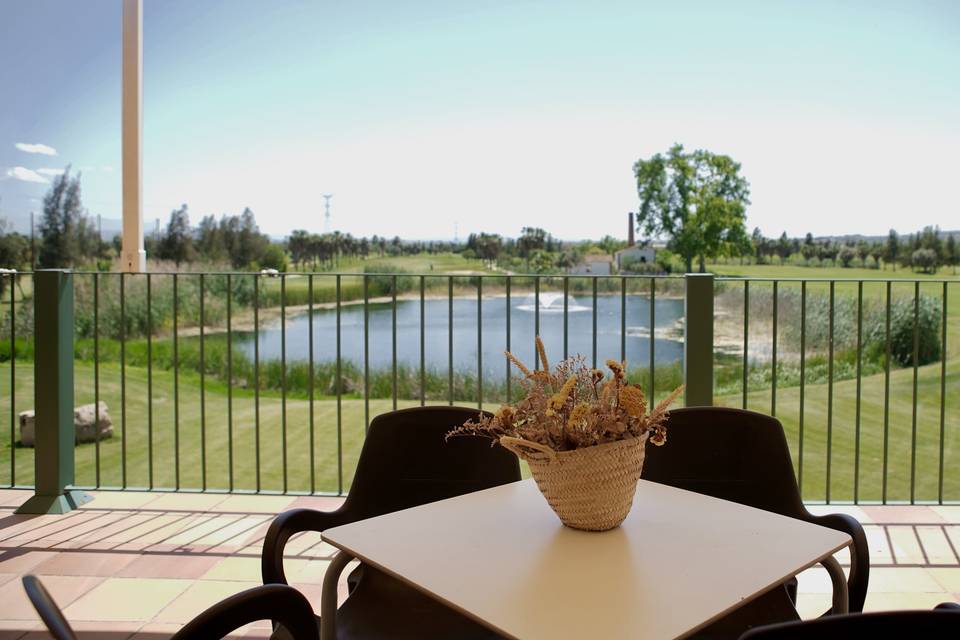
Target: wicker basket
<point x="591" y="488"/>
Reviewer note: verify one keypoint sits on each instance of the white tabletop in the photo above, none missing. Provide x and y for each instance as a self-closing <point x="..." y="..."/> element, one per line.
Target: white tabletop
<point x="680" y="560"/>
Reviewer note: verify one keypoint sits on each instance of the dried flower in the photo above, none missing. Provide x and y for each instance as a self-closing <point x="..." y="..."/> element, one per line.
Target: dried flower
<point x="615" y="410"/>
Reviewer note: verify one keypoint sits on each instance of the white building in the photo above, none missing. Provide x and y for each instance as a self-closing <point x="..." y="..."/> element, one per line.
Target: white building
<point x="593" y="265"/>
<point x="635" y="254"/>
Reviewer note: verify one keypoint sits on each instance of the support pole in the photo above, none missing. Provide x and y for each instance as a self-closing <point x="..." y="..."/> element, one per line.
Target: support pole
<point x="698" y="340"/>
<point x="132" y="257"/>
<point x="54" y="435"/>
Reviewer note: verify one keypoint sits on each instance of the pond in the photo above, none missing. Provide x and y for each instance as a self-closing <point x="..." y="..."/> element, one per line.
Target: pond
<point x="492" y="318"/>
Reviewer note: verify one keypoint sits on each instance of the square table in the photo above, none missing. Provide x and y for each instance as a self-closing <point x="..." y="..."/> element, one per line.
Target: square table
<point x="680" y="561"/>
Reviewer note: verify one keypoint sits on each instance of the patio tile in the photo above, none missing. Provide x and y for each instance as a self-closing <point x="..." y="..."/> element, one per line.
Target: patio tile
<point x="949" y="579"/>
<point x="850" y="510"/>
<point x="232" y="532"/>
<point x="119" y="500"/>
<point x="21" y="561"/>
<point x="164" y="565"/>
<point x="936" y="546"/>
<point x="906" y="546"/>
<point x="158" y="530"/>
<point x="812" y="605"/>
<point x="317" y="503"/>
<point x="86" y="630"/>
<point x="198" y="597"/>
<point x="15" y="629"/>
<point x="902" y="514"/>
<point x="902" y="580"/>
<point x="878" y="545"/>
<point x="14" y="497"/>
<point x="126" y="599"/>
<point x="312" y="572"/>
<point x="155" y="630"/>
<point x="206" y="525"/>
<point x="893" y="601"/>
<point x="949" y="513"/>
<point x="187" y="501"/>
<point x="63" y="589"/>
<point x="254" y="504"/>
<point x="248" y="569"/>
<point x="85" y="563"/>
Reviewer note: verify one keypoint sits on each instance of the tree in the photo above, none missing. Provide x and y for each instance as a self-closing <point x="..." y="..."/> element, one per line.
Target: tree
<point x="893" y="248"/>
<point x="783" y="248"/>
<point x="177" y="241"/>
<point x="925" y="260"/>
<point x="696" y="200"/>
<point x="952" y="254"/>
<point x="809" y="249"/>
<point x="63" y="228"/>
<point x="531" y="239"/>
<point x="846" y="255"/>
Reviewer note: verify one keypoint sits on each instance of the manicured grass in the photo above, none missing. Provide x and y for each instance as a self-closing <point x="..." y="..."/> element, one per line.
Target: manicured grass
<point x="352" y="427"/>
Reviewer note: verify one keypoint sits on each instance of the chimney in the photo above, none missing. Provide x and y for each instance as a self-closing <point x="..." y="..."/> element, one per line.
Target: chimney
<point x="630" y="230"/>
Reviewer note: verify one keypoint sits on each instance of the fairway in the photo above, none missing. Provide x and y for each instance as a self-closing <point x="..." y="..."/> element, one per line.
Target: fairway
<point x="216" y="437"/>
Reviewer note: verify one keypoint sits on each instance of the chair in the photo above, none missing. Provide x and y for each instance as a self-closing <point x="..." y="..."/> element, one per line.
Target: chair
<point x="405" y="462"/>
<point x="942" y="622"/>
<point x="276" y="602"/>
<point x="742" y="456"/>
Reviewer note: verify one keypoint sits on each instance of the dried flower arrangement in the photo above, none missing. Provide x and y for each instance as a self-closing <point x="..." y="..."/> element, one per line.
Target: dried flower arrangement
<point x="574" y="407"/>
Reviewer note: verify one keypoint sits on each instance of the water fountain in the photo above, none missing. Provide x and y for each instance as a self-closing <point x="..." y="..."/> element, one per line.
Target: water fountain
<point x="551" y="302"/>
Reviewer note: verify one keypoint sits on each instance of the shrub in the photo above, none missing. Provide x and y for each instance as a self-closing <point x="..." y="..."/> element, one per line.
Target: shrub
<point x="902" y="331"/>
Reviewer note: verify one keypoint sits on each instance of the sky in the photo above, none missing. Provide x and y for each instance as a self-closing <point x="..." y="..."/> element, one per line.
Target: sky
<point x="430" y="119"/>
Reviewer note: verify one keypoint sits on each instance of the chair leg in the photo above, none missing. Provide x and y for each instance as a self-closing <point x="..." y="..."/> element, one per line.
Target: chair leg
<point x="791" y="587"/>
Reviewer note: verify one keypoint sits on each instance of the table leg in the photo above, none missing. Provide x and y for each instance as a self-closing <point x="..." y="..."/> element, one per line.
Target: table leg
<point x="840" y="594"/>
<point x="328" y="596"/>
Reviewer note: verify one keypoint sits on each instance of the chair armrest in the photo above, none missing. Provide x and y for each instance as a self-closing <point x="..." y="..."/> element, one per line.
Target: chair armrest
<point x="286" y="525"/>
<point x="947" y="606"/>
<point x="280" y="603"/>
<point x="859" y="556"/>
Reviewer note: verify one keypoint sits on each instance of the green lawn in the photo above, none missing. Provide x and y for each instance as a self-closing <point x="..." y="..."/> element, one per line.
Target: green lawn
<point x="325" y="435"/>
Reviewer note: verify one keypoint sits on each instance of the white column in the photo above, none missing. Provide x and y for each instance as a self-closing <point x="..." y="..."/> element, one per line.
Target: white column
<point x="133" y="258"/>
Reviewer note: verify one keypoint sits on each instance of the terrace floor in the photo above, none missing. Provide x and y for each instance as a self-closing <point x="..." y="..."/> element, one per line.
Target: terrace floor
<point x="140" y="565"/>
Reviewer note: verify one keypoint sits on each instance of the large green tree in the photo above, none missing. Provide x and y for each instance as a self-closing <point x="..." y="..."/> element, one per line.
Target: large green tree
<point x="696" y="201"/>
<point x="66" y="234"/>
<point x="177" y="242"/>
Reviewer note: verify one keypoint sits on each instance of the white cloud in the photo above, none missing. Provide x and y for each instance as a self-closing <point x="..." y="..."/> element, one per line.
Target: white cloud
<point x="27" y="175"/>
<point x="36" y="148"/>
<point x="50" y="172"/>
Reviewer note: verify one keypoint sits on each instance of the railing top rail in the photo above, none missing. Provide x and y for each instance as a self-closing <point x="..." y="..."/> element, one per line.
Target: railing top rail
<point x="879" y="280"/>
<point x="386" y="273"/>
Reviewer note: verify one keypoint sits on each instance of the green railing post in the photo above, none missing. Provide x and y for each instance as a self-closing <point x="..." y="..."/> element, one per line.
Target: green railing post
<point x="54" y="435"/>
<point x="698" y="340"/>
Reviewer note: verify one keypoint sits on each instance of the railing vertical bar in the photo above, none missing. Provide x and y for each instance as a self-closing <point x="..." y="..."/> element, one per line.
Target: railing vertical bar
<point x="423" y="341"/>
<point x="594" y="323"/>
<point x="509" y="313"/>
<point x="746" y="339"/>
<point x="830" y="387"/>
<point x="803" y="380"/>
<point x="856" y="446"/>
<point x="366" y="354"/>
<point x="916" y="364"/>
<point x="203" y="401"/>
<point x="536" y="321"/>
<point x="149" y="384"/>
<point x="310" y="380"/>
<point x="886" y="397"/>
<point x="943" y="387"/>
<point x="13" y="381"/>
<point x="339" y="394"/>
<point x="230" y="382"/>
<point x="123" y="383"/>
<point x="623" y="319"/>
<point x="653" y="330"/>
<point x="450" y="339"/>
<point x="393" y="327"/>
<point x="566" y="310"/>
<point x="773" y="354"/>
<point x="480" y="343"/>
<point x="283" y="378"/>
<point x="176" y="384"/>
<point x="256" y="375"/>
<point x="96" y="371"/>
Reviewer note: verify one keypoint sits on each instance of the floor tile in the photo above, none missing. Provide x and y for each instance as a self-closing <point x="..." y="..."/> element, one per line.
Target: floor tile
<point x="851" y="510"/>
<point x="198" y="597"/>
<point x="19" y="561"/>
<point x="902" y="514"/>
<point x="119" y="500"/>
<point x="271" y="505"/>
<point x="949" y="513"/>
<point x="902" y="580"/>
<point x="187" y="501"/>
<point x="99" y="630"/>
<point x="169" y="565"/>
<point x="906" y="546"/>
<point x="156" y="630"/>
<point x="85" y="563"/>
<point x="936" y="547"/>
<point x="948" y="578"/>
<point x="126" y="599"/>
<point x="63" y="589"/>
<point x="895" y="601"/>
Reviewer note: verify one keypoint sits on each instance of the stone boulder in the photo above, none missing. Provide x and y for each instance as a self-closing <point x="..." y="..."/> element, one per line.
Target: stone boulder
<point x="85" y="424"/>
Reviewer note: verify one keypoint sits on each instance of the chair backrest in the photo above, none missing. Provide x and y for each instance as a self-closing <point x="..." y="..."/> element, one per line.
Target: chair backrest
<point x="49" y="611"/>
<point x="888" y="624"/>
<point x="732" y="454"/>
<point x="406" y="461"/>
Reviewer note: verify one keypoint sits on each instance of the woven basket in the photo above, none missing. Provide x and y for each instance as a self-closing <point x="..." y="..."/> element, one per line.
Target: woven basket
<point x="591" y="488"/>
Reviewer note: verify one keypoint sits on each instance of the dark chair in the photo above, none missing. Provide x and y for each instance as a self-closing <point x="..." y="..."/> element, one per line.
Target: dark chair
<point x="280" y="603"/>
<point x="942" y="622"/>
<point x="742" y="456"/>
<point x="405" y="462"/>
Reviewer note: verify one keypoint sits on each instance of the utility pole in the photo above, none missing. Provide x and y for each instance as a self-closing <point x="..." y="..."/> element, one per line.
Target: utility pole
<point x="326" y="214"/>
<point x="33" y="245"/>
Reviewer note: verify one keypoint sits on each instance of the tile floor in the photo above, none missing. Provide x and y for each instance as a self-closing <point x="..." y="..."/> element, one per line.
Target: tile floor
<point x="140" y="565"/>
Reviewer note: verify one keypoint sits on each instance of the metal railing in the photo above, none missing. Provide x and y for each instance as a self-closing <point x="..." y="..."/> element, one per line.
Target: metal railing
<point x="242" y="382"/>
